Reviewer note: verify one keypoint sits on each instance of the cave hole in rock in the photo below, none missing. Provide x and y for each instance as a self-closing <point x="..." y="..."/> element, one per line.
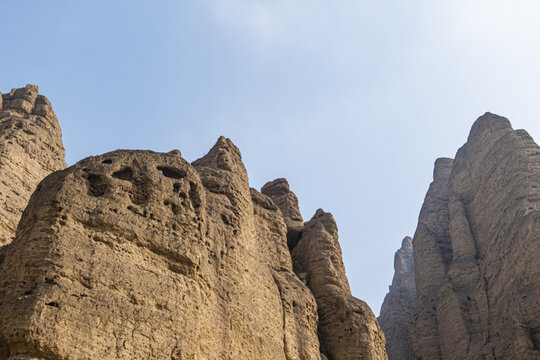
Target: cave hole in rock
<point x="194" y="195"/>
<point x="98" y="186"/>
<point x="225" y="219"/>
<point x="172" y="172"/>
<point x="124" y="174"/>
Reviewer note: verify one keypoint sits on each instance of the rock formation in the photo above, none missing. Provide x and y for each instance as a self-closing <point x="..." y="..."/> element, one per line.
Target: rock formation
<point x="476" y="250"/>
<point x="30" y="149"/>
<point x="399" y="304"/>
<point x="279" y="191"/>
<point x="347" y="327"/>
<point x="142" y="255"/>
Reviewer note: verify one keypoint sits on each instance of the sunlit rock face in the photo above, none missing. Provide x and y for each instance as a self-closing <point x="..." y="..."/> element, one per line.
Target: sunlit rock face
<point x="347" y="327"/>
<point x="142" y="255"/>
<point x="136" y="254"/>
<point x="477" y="250"/>
<point x="30" y="149"/>
<point x="399" y="304"/>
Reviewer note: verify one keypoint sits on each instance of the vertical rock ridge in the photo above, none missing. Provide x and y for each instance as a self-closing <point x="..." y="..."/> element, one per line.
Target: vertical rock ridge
<point x="399" y="304"/>
<point x="30" y="149"/>
<point x="347" y="327"/>
<point x="287" y="202"/>
<point x="478" y="298"/>
<point x="432" y="250"/>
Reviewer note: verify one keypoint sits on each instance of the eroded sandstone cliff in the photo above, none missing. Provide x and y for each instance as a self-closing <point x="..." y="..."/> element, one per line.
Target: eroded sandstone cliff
<point x="476" y="250"/>
<point x="142" y="255"/>
<point x="347" y="327"/>
<point x="399" y="304"/>
<point x="30" y="149"/>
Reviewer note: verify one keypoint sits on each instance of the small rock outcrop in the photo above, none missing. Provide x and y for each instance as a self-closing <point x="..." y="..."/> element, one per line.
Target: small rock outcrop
<point x="476" y="250"/>
<point x="286" y="200"/>
<point x="30" y="149"/>
<point x="399" y="304"/>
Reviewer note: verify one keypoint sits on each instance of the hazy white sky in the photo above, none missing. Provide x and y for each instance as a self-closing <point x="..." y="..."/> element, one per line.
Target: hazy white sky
<point x="352" y="101"/>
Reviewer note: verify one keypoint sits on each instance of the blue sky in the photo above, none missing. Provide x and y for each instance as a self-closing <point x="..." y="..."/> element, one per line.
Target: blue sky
<point x="351" y="101"/>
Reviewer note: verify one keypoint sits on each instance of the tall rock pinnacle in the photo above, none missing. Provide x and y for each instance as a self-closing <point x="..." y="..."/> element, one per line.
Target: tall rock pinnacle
<point x="30" y="149"/>
<point x="347" y="327"/>
<point x="476" y="250"/>
<point x="399" y="304"/>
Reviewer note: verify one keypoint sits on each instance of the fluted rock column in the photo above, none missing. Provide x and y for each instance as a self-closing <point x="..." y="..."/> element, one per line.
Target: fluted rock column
<point x="30" y="149"/>
<point x="399" y="304"/>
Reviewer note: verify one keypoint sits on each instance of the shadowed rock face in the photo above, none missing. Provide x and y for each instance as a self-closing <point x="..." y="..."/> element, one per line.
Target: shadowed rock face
<point x="477" y="249"/>
<point x="30" y="149"/>
<point x="399" y="304"/>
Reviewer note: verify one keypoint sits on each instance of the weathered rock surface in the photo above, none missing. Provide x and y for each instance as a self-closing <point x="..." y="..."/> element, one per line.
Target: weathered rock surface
<point x="279" y="191"/>
<point x="137" y="255"/>
<point x="399" y="304"/>
<point x="477" y="250"/>
<point x="347" y="327"/>
<point x="30" y="149"/>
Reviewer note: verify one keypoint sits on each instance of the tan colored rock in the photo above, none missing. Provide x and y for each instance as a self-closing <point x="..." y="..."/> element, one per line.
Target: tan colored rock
<point x="477" y="250"/>
<point x="399" y="304"/>
<point x="287" y="202"/>
<point x="30" y="149"/>
<point x="138" y="255"/>
<point x="431" y="247"/>
<point x="347" y="327"/>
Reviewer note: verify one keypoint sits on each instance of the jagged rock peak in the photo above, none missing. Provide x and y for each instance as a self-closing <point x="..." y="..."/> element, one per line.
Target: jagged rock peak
<point x="31" y="148"/>
<point x="139" y="254"/>
<point x="224" y="155"/>
<point x="347" y="327"/>
<point x="406" y="243"/>
<point x="442" y="168"/>
<point x="476" y="251"/>
<point x="277" y="187"/>
<point x="279" y="191"/>
<point x="26" y="101"/>
<point x="489" y="125"/>
<point x="403" y="261"/>
<point x="399" y="304"/>
<point x="152" y="259"/>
